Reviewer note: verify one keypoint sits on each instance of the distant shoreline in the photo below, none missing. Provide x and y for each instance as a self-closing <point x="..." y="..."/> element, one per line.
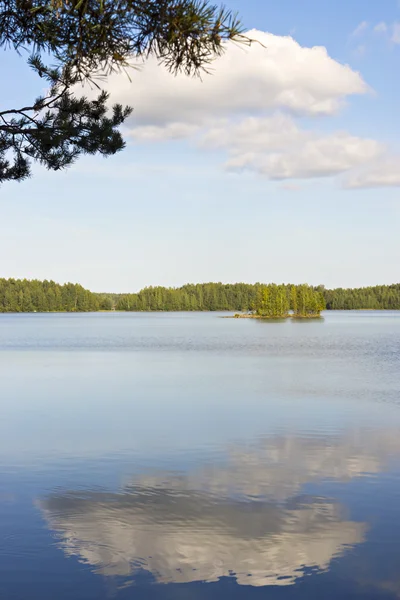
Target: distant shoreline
<point x="277" y="317"/>
<point x="230" y="316"/>
<point x="28" y="296"/>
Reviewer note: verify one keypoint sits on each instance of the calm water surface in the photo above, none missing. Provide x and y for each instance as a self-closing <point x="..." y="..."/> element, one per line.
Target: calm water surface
<point x="186" y="456"/>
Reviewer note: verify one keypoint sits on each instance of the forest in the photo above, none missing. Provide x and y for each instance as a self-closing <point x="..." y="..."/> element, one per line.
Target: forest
<point x="23" y="295"/>
<point x="263" y="300"/>
<point x="379" y="297"/>
<point x="245" y="297"/>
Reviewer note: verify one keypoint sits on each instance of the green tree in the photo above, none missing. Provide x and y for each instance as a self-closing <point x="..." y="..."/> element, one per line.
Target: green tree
<point x="272" y="301"/>
<point x="87" y="40"/>
<point x="293" y="298"/>
<point x="308" y="301"/>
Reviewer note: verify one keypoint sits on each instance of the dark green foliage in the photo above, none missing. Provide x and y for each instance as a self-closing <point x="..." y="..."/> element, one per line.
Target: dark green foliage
<point x="377" y="297"/>
<point x="100" y="36"/>
<point x="63" y="128"/>
<point x="202" y="296"/>
<point x="87" y="40"/>
<point x="105" y="302"/>
<point x="23" y="295"/>
<point x="266" y="300"/>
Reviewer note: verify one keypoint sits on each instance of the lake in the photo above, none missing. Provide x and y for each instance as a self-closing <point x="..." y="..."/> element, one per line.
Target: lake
<point x="187" y="456"/>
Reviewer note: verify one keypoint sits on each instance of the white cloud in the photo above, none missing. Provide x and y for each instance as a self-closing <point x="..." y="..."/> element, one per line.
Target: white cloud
<point x="381" y="27"/>
<point x="360" y="29"/>
<point x="391" y="31"/>
<point x="250" y="106"/>
<point x="385" y="173"/>
<point x="171" y="131"/>
<point x="273" y="146"/>
<point x="396" y="33"/>
<point x="277" y="73"/>
<point x="278" y="148"/>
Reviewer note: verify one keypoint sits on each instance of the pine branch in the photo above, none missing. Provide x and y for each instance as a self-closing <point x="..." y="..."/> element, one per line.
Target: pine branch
<point x="88" y="40"/>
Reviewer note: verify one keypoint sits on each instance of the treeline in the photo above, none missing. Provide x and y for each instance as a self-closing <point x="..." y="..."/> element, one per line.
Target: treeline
<point x="379" y="297"/>
<point x="192" y="297"/>
<point x="48" y="296"/>
<point x="265" y="300"/>
<point x="243" y="297"/>
<point x="23" y="295"/>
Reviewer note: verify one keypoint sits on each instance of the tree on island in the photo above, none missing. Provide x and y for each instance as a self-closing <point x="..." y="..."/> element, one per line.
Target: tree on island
<point x="276" y="301"/>
<point x="272" y="301"/>
<point x="308" y="302"/>
<point x="87" y="40"/>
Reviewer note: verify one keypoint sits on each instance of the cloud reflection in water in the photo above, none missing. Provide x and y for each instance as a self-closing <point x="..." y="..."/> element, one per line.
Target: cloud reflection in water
<point x="247" y="517"/>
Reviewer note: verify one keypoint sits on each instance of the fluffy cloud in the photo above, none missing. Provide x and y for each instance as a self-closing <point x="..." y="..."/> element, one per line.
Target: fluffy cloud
<point x="170" y="131"/>
<point x="273" y="146"/>
<point x="385" y="173"/>
<point x="250" y="108"/>
<point x="275" y="72"/>
<point x="278" y="148"/>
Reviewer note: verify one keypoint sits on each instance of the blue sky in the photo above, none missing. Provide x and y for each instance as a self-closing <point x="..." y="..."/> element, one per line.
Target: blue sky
<point x="283" y="166"/>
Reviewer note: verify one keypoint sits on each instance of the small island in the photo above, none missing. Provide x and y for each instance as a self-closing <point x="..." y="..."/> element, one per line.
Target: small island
<point x="283" y="302"/>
